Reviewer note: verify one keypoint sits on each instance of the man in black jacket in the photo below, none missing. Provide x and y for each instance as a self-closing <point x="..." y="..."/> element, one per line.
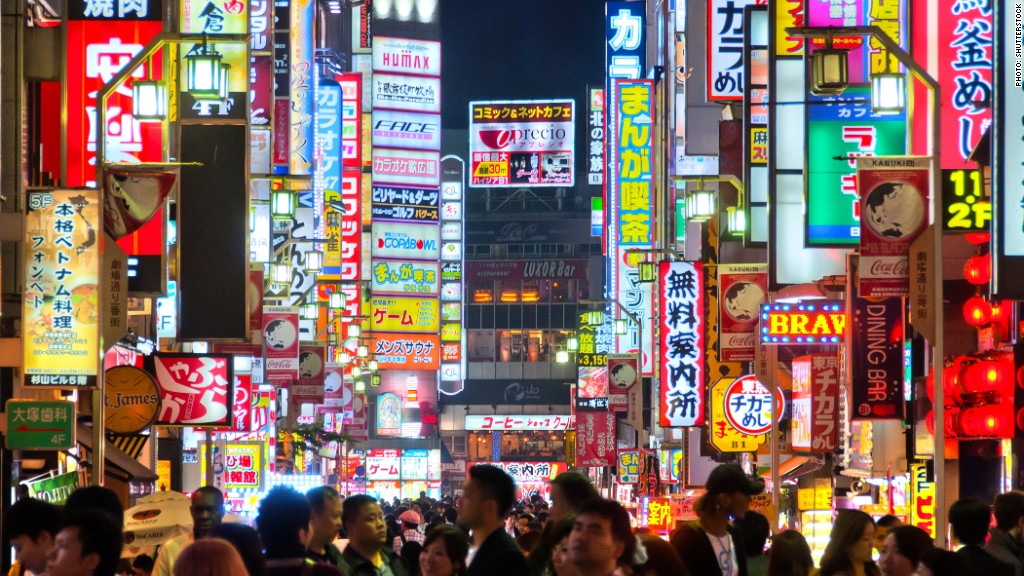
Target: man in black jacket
<point x="970" y="519"/>
<point x="366" y="554"/>
<point x="486" y="497"/>
<point x="601" y="539"/>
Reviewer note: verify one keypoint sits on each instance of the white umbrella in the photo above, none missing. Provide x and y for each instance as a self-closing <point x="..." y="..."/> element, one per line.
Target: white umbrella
<point x="154" y="520"/>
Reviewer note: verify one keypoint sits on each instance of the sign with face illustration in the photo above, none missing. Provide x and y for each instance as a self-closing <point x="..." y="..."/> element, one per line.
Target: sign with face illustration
<point x="281" y="339"/>
<point x="744" y="287"/>
<point x="894" y="201"/>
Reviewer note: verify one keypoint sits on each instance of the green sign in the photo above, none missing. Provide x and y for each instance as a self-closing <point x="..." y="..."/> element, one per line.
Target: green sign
<point x="54" y="490"/>
<point x="35" y="425"/>
<point x="839" y="129"/>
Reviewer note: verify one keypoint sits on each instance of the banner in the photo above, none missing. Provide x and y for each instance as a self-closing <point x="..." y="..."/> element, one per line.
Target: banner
<point x="894" y="211"/>
<point x="60" y="308"/>
<point x="681" y="286"/>
<point x="195" y="389"/>
<point x="281" y="341"/>
<point x="409" y="130"/>
<point x="623" y="373"/>
<point x="310" y="386"/>
<point x="595" y="439"/>
<point x="405" y="277"/>
<point x="132" y="197"/>
<point x="555" y="269"/>
<point x="402" y="240"/>
<point x="634" y="118"/>
<point x="522" y="143"/>
<point x="406" y="56"/>
<point x="592" y="382"/>
<point x="54" y="490"/>
<point x="815" y="403"/>
<point x="406" y="351"/>
<point x="724" y="70"/>
<point x="406" y="167"/>
<point x="404" y="203"/>
<point x="404" y="315"/>
<point x="874" y="354"/>
<point x="744" y="288"/>
<point x="412" y="93"/>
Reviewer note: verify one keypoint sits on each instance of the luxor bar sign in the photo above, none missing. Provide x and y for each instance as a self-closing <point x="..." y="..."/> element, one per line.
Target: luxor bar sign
<point x="823" y="323"/>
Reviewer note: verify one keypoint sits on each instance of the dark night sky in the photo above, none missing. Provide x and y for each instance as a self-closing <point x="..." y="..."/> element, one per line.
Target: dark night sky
<point x="519" y="49"/>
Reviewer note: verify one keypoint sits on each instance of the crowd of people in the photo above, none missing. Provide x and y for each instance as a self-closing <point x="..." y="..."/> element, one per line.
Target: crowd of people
<point x="487" y="532"/>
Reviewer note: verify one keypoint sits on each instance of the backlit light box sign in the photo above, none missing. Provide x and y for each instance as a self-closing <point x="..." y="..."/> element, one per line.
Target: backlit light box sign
<point x="823" y="323"/>
<point x="522" y="143"/>
<point x="520" y="422"/>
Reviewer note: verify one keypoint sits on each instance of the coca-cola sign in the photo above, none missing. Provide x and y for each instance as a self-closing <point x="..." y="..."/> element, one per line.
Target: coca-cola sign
<point x="894" y="212"/>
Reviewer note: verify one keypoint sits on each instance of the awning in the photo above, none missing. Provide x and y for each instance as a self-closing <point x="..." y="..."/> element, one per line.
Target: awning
<point x="796" y="466"/>
<point x="123" y="465"/>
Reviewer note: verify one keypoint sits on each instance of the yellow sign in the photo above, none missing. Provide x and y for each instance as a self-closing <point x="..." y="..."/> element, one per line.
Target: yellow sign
<point x="163" y="475"/>
<point x="404" y="314"/>
<point x="922" y="499"/>
<point x="451" y="333"/>
<point x="724" y="436"/>
<point x="60" y="309"/>
<point x="758" y="145"/>
<point x="132" y="399"/>
<point x="788" y="14"/>
<point x="239" y="468"/>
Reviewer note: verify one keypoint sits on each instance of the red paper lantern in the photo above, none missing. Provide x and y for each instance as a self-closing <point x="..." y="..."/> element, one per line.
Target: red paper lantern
<point x="977" y="311"/>
<point x="1001" y="310"/>
<point x="978" y="270"/>
<point x="987" y="376"/>
<point x="993" y="420"/>
<point x="978" y="238"/>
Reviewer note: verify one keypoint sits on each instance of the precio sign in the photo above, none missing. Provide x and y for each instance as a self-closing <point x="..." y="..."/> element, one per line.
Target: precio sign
<point x="516" y="143"/>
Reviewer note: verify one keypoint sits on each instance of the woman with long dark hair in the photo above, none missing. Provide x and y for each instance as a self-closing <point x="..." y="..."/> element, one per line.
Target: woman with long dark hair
<point x="790" y="555"/>
<point x="849" y="548"/>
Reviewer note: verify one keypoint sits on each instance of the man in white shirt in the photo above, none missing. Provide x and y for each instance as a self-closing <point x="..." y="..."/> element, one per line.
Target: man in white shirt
<point x="207" y="513"/>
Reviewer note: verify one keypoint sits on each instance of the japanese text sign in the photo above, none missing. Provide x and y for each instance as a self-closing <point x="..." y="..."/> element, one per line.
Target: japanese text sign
<point x="195" y="389"/>
<point x="823" y="323"/>
<point x="725" y="48"/>
<point x="383" y="464"/>
<point x="60" y="308"/>
<point x="411" y="130"/>
<point x="634" y="113"/>
<point x="343" y="227"/>
<point x="521" y="422"/>
<point x="595" y="137"/>
<point x="301" y="87"/>
<point x="595" y="439"/>
<point x="592" y="382"/>
<point x="625" y="48"/>
<point x="922" y="499"/>
<point x="404" y="203"/>
<point x="404" y="314"/>
<point x="403" y="240"/>
<point x="681" y="286"/>
<point x="405" y="277"/>
<point x="815" y="402"/>
<point x="965" y="207"/>
<point x="1008" y="171"/>
<point x="894" y="206"/>
<point x="243" y="466"/>
<point x="414" y="464"/>
<point x="114" y="10"/>
<point x="522" y="143"/>
<point x="412" y="93"/>
<point x="531" y="472"/>
<point x="407" y="351"/>
<point x="35" y="425"/>
<point x="628" y="466"/>
<point x="724" y="434"/>
<point x="411" y="167"/>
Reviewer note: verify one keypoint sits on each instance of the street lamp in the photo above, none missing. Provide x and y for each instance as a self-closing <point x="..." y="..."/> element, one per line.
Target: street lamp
<point x="282" y="273"/>
<point x="572" y="344"/>
<point x="647" y="272"/>
<point x="830" y="67"/>
<point x="562" y="356"/>
<point x="282" y="204"/>
<point x="337" y="302"/>
<point x="149" y="101"/>
<point x="921" y="74"/>
<point x="354" y="330"/>
<point x="314" y="261"/>
<point x="888" y="93"/>
<point x="204" y="72"/>
<point x="700" y="204"/>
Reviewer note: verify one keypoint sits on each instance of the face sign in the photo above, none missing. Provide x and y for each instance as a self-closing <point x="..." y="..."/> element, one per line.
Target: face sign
<point x="368" y="529"/>
<point x="32" y="553"/>
<point x="894" y="209"/>
<point x="434" y="560"/>
<point x="279" y="335"/>
<point x="65" y="558"/>
<point x="207" y="513"/>
<point x="892" y="562"/>
<point x="743" y="301"/>
<point x="591" y="545"/>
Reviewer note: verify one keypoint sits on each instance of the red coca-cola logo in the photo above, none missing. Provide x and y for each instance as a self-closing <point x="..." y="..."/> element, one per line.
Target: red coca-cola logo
<point x="280" y="363"/>
<point x="897" y="268"/>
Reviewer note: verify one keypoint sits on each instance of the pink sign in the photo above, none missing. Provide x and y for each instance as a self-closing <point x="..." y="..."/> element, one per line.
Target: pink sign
<point x="359" y="429"/>
<point x="623" y="373"/>
<point x="894" y="212"/>
<point x="815" y="400"/>
<point x="337" y="395"/>
<point x="281" y="344"/>
<point x="595" y="439"/>
<point x="195" y="389"/>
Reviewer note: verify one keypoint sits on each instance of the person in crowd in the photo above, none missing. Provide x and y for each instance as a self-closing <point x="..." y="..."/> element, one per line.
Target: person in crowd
<point x="969" y="519"/>
<point x="711" y="546"/>
<point x="848" y="552"/>
<point x="88" y="543"/>
<point x="283" y="523"/>
<point x="486" y="497"/>
<point x="512" y="524"/>
<point x="210" y="557"/>
<point x="451" y="516"/>
<point x="524" y="521"/>
<point x="207" y="511"/>
<point x="31" y="526"/>
<point x="366" y="553"/>
<point x="903" y="549"/>
<point x="754" y="531"/>
<point x="602" y="539"/>
<point x="142" y="565"/>
<point x="246" y="541"/>
<point x="790" y="555"/>
<point x="938" y="562"/>
<point x="528" y="541"/>
<point x="411" y="521"/>
<point x="542" y="517"/>
<point x="569" y="490"/>
<point x="557" y="541"/>
<point x="325" y="504"/>
<point x="882" y="527"/>
<point x="662" y="559"/>
<point x="1005" y="539"/>
<point x="98" y="498"/>
<point x="444" y="552"/>
<point x="394" y="528"/>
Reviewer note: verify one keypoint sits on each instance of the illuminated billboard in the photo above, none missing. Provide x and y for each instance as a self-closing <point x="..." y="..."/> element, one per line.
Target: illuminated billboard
<point x="823" y="323"/>
<point x="522" y="143"/>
